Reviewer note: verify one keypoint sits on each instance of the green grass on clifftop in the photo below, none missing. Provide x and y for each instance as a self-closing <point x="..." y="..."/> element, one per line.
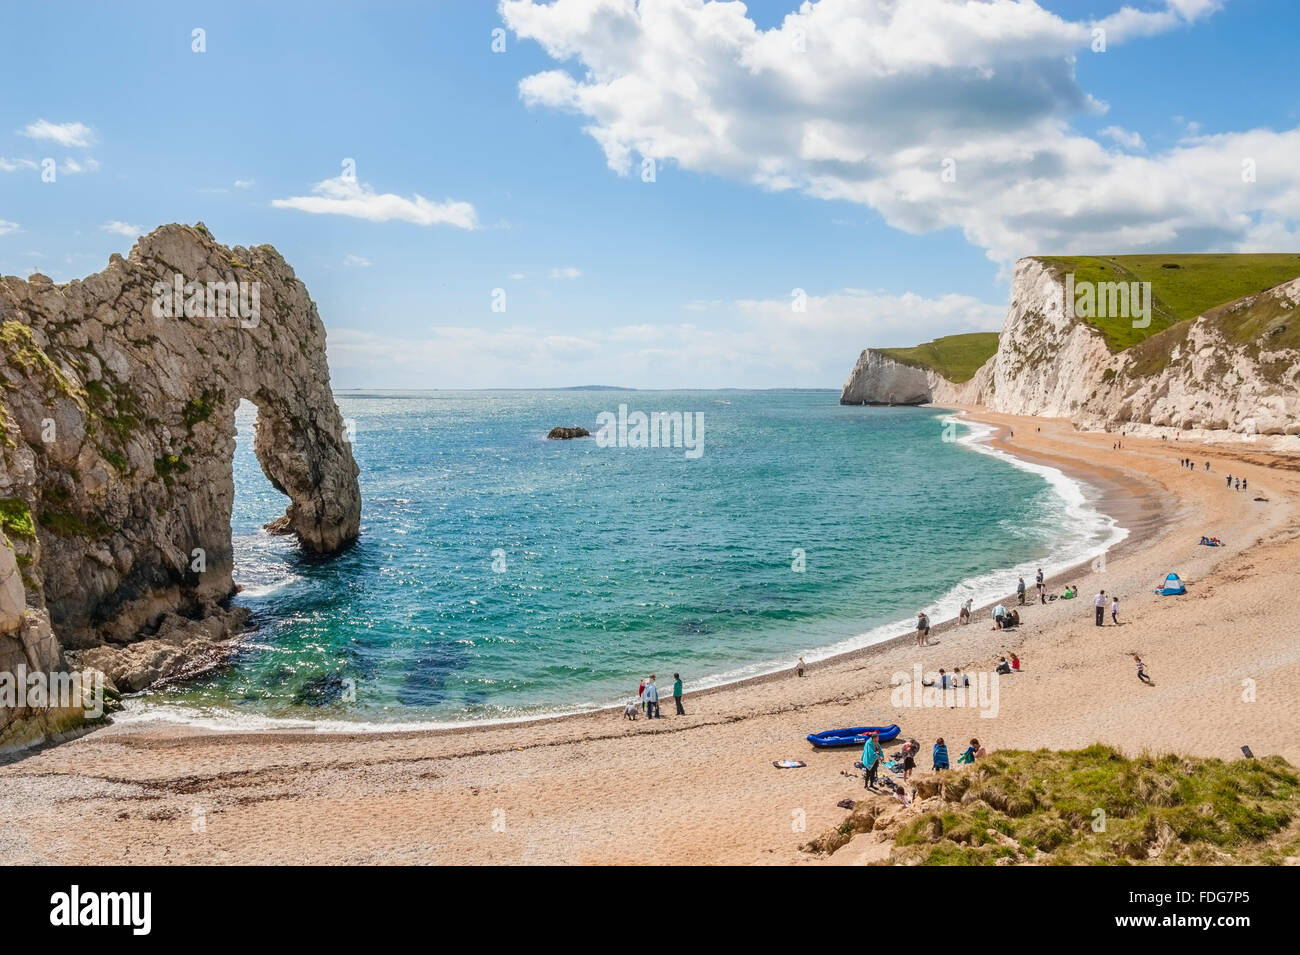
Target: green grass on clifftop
<point x="955" y="357"/>
<point x="1043" y="807"/>
<point x="1182" y="286"/>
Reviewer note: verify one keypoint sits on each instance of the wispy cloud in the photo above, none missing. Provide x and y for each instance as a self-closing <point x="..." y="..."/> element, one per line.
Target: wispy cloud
<point x="118" y="227"/>
<point x="13" y="165"/>
<point x="358" y="261"/>
<point x="71" y="167"/>
<point x="6" y="226"/>
<point x="245" y="183"/>
<point x="569" y="272"/>
<point x="1124" y="137"/>
<point x="65" y="134"/>
<point x="347" y="196"/>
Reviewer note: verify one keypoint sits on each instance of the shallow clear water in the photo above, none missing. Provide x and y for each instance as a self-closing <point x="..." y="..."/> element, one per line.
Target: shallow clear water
<point x="612" y="563"/>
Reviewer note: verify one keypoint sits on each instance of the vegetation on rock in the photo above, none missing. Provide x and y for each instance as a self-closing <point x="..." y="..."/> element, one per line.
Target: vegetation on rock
<point x="954" y="357"/>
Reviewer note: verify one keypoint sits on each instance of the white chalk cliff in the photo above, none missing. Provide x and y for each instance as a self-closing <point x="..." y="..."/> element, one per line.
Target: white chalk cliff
<point x="1219" y="376"/>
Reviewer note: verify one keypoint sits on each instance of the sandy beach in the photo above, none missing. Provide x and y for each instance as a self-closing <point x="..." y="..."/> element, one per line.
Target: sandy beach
<point x="596" y="788"/>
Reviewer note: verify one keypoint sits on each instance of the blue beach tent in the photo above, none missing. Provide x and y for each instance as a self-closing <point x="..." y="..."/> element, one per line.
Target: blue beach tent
<point x="1172" y="587"/>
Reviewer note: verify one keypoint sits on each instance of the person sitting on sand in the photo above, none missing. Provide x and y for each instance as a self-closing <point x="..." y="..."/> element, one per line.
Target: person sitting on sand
<point x="1070" y="592"/>
<point x="1013" y="619"/>
<point x="1003" y="667"/>
<point x="959" y="678"/>
<point x="943" y="682"/>
<point x="1015" y="663"/>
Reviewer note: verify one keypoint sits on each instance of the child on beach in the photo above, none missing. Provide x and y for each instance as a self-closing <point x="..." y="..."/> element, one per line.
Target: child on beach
<point x="1142" y="670"/>
<point x="1015" y="663"/>
<point x="910" y="749"/>
<point x="1003" y="668"/>
<point x="1114" y="610"/>
<point x="939" y="757"/>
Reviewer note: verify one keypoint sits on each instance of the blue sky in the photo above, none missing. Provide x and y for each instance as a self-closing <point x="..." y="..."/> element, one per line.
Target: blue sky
<point x="817" y="169"/>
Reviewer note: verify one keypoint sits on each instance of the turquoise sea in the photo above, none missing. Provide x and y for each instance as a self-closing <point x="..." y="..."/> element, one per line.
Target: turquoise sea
<point x="501" y="575"/>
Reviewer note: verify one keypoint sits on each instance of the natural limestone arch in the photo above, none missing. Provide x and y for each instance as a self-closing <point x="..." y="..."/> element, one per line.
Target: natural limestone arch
<point x="119" y="393"/>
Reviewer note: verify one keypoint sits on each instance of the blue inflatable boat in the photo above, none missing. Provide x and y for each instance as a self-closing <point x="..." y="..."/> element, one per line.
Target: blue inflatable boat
<point x="854" y="736"/>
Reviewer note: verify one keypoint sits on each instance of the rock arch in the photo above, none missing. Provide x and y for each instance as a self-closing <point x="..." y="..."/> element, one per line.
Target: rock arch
<point x="119" y="393"/>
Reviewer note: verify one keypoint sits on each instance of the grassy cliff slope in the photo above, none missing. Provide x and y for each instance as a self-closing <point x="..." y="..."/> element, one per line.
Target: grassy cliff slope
<point x="955" y="357"/>
<point x="1182" y="286"/>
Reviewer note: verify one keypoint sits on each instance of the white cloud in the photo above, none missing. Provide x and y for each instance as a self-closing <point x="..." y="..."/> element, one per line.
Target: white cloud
<point x="569" y="272"/>
<point x="65" y="134"/>
<point x="71" y="167"/>
<point x="126" y="229"/>
<point x="1124" y="137"/>
<point x="517" y="276"/>
<point x="6" y="227"/>
<point x="865" y="100"/>
<point x="13" y="165"/>
<point x="346" y="196"/>
<point x="245" y="183"/>
<point x="359" y="261"/>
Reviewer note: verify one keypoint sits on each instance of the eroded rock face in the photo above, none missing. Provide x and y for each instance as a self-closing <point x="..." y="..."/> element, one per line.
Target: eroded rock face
<point x="1190" y="378"/>
<point x="119" y="393"/>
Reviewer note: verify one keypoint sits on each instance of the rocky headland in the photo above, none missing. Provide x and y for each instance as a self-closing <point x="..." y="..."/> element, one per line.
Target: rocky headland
<point x="117" y="402"/>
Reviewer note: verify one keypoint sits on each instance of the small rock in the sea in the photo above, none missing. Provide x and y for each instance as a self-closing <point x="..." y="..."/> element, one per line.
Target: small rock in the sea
<point x="565" y="434"/>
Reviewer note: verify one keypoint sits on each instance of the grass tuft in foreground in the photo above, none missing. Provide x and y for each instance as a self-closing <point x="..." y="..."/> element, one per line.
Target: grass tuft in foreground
<point x="1097" y="807"/>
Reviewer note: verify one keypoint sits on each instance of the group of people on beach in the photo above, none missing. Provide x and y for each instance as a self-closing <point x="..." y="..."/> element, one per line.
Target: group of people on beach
<point x="1191" y="465"/>
<point x="873" y="758"/>
<point x="1241" y="483"/>
<point x="1099" y="605"/>
<point x="648" y="696"/>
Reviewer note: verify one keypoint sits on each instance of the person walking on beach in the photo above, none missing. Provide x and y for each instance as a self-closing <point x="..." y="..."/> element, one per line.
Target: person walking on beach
<point x="1020" y="591"/>
<point x="1099" y="603"/>
<point x="798" y="667"/>
<point x="677" y="693"/>
<point x="964" y="616"/>
<point x="1229" y="480"/>
<point x="1244" y="484"/>
<point x="871" y="759"/>
<point x="1114" y="610"/>
<point x="651" y="699"/>
<point x="922" y="629"/>
<point x="939" y="758"/>
<point x="1042" y="591"/>
<point x="1142" y="670"/>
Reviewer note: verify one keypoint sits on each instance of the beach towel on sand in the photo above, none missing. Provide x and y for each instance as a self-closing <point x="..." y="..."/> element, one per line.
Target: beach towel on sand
<point x="788" y="764"/>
